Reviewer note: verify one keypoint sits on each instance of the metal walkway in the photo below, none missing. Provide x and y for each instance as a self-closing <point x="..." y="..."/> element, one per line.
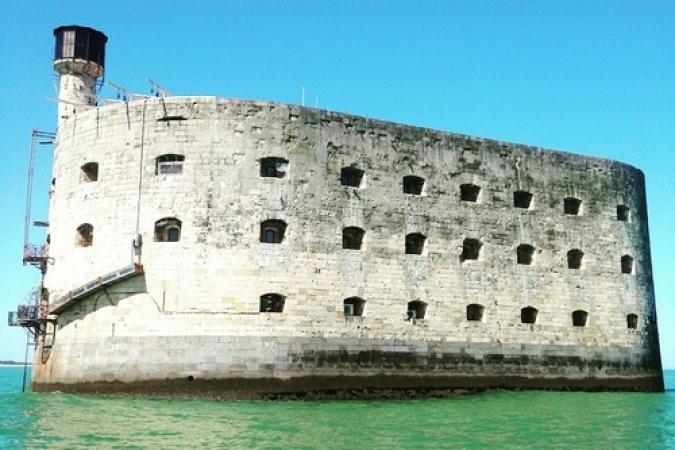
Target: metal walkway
<point x="94" y="286"/>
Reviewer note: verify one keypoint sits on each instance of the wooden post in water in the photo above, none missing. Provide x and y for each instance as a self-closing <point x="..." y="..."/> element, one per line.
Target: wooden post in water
<point x="25" y="363"/>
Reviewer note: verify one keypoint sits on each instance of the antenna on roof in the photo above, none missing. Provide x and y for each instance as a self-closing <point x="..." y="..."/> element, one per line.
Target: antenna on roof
<point x="124" y="93"/>
<point x="158" y="90"/>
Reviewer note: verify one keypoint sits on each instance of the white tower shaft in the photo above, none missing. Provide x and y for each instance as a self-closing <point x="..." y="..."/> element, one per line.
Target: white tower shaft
<point x="77" y="92"/>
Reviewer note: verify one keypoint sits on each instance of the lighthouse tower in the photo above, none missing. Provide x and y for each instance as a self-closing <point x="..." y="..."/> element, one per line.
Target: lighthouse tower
<point x="79" y="59"/>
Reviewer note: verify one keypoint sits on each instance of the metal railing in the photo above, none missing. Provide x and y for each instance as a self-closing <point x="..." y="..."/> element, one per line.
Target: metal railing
<point x="95" y="285"/>
<point x="105" y="279"/>
<point x="32" y="252"/>
<point x="23" y="314"/>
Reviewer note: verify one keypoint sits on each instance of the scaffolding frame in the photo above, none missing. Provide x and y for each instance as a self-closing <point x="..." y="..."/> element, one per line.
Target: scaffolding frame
<point x="32" y="314"/>
<point x="34" y="254"/>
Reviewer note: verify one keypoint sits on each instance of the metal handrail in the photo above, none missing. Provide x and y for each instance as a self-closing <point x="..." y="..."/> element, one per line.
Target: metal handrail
<point x="96" y="284"/>
<point x="33" y="252"/>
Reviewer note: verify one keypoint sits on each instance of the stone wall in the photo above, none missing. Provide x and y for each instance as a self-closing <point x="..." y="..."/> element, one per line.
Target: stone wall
<point x="196" y="311"/>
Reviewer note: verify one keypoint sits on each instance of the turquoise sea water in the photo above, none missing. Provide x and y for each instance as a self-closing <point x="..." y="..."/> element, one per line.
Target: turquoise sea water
<point x="534" y="419"/>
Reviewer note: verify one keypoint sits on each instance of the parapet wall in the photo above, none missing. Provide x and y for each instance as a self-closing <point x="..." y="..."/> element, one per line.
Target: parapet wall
<point x="208" y="285"/>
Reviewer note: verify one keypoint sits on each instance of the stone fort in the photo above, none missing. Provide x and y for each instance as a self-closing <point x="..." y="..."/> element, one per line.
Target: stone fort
<point x="245" y="249"/>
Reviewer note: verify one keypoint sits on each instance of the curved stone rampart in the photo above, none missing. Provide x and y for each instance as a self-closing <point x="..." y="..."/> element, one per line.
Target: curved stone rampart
<point x="195" y="311"/>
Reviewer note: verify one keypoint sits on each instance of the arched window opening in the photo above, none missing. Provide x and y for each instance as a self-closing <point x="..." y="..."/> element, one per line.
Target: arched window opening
<point x="572" y="206"/>
<point x="524" y="254"/>
<point x="627" y="264"/>
<point x="416" y="310"/>
<point x="469" y="192"/>
<point x="272" y="231"/>
<point x="89" y="172"/>
<point x="414" y="243"/>
<point x="579" y="318"/>
<point x="351" y="176"/>
<point x="352" y="238"/>
<point x="471" y="249"/>
<point x="273" y="167"/>
<point x="575" y="258"/>
<point x="623" y="213"/>
<point x="169" y="163"/>
<point x="167" y="230"/>
<point x="272" y="303"/>
<point x="522" y="199"/>
<point x="528" y="315"/>
<point x="85" y="235"/>
<point x="354" y="306"/>
<point x="474" y="312"/>
<point x="413" y="185"/>
<point x="632" y="321"/>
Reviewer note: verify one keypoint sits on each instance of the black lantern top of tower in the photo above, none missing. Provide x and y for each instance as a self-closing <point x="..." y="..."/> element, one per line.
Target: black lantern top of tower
<point x="82" y="43"/>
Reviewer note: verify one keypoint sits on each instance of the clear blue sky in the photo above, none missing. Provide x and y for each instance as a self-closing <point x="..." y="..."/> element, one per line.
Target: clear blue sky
<point x="596" y="78"/>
